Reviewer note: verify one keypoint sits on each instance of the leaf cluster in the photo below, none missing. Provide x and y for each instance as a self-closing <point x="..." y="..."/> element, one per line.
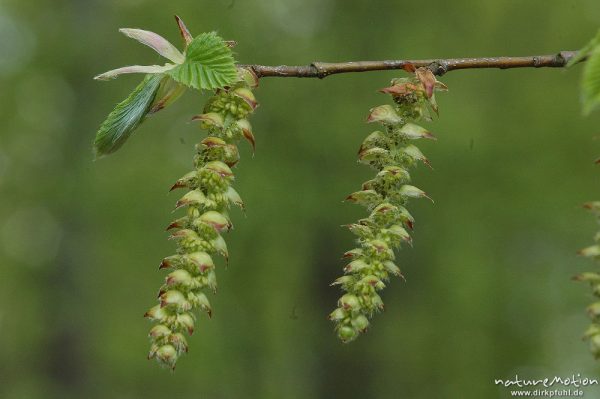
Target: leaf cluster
<point x="207" y="63"/>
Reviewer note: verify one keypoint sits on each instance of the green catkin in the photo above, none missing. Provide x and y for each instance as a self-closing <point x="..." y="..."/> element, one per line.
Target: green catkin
<point x="592" y="334"/>
<point x="199" y="232"/>
<point x="390" y="153"/>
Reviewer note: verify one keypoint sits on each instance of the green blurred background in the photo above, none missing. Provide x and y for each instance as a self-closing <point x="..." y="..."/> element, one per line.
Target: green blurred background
<point x="488" y="292"/>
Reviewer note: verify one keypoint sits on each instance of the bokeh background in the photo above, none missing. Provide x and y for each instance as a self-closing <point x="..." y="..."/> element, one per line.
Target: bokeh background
<point x="488" y="292"/>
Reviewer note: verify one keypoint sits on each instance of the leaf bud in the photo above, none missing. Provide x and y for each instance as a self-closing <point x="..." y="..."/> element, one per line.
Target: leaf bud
<point x="399" y="88"/>
<point x="338" y="314"/>
<point x="220" y="168"/>
<point x="385" y="114"/>
<point x="595" y="346"/>
<point x="427" y="79"/>
<point x="373" y="155"/>
<point x="372" y="281"/>
<point x="412" y="131"/>
<point x="590" y="252"/>
<point x="360" y="230"/>
<point x="349" y="301"/>
<point x="412" y="192"/>
<point x="234" y="197"/>
<point x="185" y="321"/>
<point x="344" y="280"/>
<point x="593" y="278"/>
<point x="179" y="342"/>
<point x="593" y="310"/>
<point x="246" y="95"/>
<point x="248" y="76"/>
<point x="179" y="277"/>
<point x="392" y="268"/>
<point x="202" y="260"/>
<point x="194" y="197"/>
<point x="220" y="246"/>
<point x="414" y="153"/>
<point x="159" y="331"/>
<point x="199" y="299"/>
<point x="375" y="139"/>
<point x="176" y="299"/>
<point x="180" y="223"/>
<point x="365" y="197"/>
<point x="216" y="220"/>
<point x="592" y="330"/>
<point x="353" y="253"/>
<point x="247" y="133"/>
<point x="356" y="266"/>
<point x="156" y="313"/>
<point x="209" y="120"/>
<point x="211" y="280"/>
<point x="210" y="142"/>
<point x="347" y="334"/>
<point x="167" y="355"/>
<point x="593" y="206"/>
<point x="377" y="302"/>
<point x="400" y="232"/>
<point x="360" y="323"/>
<point x="188" y="180"/>
<point x="394" y="174"/>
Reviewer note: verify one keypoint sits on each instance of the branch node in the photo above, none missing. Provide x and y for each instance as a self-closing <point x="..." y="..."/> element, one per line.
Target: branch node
<point x="253" y="69"/>
<point x="439" y="67"/>
<point x="321" y="69"/>
<point x="563" y="57"/>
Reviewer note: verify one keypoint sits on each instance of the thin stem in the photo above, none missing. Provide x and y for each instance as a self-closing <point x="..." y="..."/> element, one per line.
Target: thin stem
<point x="438" y="66"/>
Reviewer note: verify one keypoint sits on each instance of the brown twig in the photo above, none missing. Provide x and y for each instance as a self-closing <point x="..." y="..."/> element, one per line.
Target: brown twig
<point x="438" y="66"/>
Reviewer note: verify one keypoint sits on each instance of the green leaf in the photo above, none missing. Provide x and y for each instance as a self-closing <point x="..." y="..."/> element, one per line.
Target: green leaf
<point x="590" y="84"/>
<point x="126" y="116"/>
<point x="591" y="47"/>
<point x="208" y="64"/>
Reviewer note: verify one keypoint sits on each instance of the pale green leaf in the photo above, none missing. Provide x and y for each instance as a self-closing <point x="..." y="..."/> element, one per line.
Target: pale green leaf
<point x="590" y="83"/>
<point x="156" y="42"/>
<point x="591" y="47"/>
<point x="208" y="64"/>
<point x="112" y="74"/>
<point x="168" y="92"/>
<point x="126" y="116"/>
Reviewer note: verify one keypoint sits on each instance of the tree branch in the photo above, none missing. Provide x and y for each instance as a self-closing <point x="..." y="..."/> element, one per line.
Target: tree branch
<point x="438" y="66"/>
